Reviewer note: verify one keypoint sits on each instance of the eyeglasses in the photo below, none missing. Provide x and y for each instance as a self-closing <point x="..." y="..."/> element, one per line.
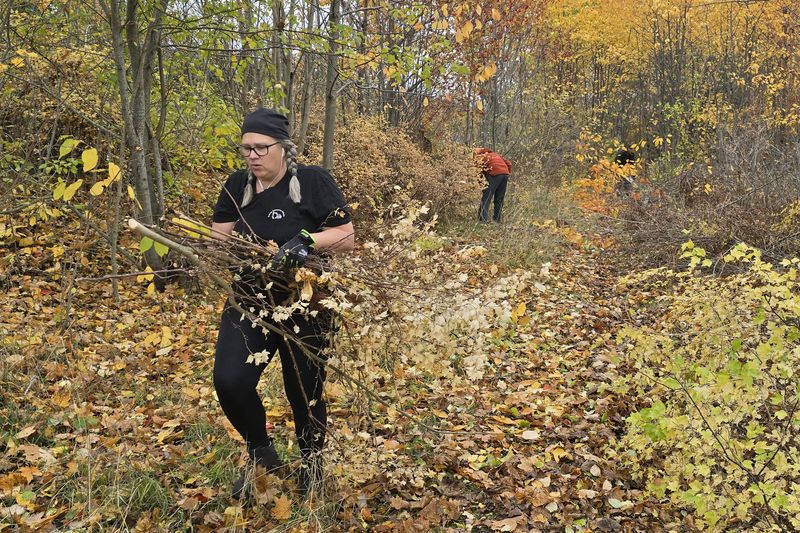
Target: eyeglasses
<point x="261" y="149"/>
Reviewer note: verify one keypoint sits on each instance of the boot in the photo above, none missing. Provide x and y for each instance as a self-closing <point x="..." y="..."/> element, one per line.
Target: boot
<point x="311" y="476"/>
<point x="264" y="456"/>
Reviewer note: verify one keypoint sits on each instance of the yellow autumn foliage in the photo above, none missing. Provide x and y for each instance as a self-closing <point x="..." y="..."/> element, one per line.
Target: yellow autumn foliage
<point x="718" y="430"/>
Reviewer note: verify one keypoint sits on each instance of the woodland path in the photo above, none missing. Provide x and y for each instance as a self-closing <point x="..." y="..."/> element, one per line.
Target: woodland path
<point x="122" y="403"/>
<point x="536" y="452"/>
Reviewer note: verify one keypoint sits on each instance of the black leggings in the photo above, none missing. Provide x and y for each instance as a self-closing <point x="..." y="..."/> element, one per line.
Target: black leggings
<point x="235" y="379"/>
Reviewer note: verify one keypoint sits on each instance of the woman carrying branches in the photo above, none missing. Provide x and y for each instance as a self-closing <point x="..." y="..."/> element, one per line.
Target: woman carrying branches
<point x="301" y="209"/>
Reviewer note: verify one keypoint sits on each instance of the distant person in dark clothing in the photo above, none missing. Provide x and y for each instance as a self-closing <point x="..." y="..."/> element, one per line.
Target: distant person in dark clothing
<point x="495" y="169"/>
<point x="625" y="156"/>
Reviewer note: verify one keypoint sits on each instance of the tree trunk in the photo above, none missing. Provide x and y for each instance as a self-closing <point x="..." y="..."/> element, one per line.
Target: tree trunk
<point x="330" y="88"/>
<point x="307" y="86"/>
<point x="249" y="74"/>
<point x="468" y="127"/>
<point x="288" y="76"/>
<point x="135" y="107"/>
<point x="363" y="105"/>
<point x="280" y="59"/>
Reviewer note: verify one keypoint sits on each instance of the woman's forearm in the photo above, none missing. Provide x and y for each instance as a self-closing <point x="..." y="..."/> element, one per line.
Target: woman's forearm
<point x="222" y="230"/>
<point x="336" y="239"/>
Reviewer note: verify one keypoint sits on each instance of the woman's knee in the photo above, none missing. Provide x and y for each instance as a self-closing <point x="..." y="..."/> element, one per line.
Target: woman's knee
<point x="225" y="384"/>
<point x="231" y="378"/>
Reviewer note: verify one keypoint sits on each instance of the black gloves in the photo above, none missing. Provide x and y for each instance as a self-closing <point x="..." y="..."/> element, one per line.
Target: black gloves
<point x="294" y="252"/>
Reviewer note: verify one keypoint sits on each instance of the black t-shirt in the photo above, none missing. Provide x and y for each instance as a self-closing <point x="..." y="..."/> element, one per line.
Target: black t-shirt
<point x="272" y="215"/>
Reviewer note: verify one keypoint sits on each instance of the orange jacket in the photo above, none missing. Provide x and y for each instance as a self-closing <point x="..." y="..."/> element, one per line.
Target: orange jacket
<point x="491" y="162"/>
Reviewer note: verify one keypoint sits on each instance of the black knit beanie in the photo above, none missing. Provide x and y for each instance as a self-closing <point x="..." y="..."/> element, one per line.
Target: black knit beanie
<point x="266" y="122"/>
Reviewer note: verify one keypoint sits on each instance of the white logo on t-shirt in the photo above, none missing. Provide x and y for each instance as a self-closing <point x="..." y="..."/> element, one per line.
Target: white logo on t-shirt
<point x="275" y="214"/>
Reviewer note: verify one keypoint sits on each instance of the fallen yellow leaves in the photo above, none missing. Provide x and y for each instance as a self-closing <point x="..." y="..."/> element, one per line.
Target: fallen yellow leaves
<point x="27" y="432"/>
<point x="10" y="481"/>
<point x="509" y="524"/>
<point x="282" y="508"/>
<point x="523" y="448"/>
<point x="504" y="420"/>
<point x="531" y="435"/>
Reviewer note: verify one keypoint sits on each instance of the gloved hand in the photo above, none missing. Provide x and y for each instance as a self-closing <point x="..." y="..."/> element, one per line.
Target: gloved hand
<point x="295" y="251"/>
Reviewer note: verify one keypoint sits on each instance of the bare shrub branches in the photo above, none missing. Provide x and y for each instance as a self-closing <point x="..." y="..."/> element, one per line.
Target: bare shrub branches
<point x="406" y="302"/>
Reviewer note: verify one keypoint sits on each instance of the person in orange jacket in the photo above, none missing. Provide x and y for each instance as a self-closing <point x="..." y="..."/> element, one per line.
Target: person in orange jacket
<point x="495" y="169"/>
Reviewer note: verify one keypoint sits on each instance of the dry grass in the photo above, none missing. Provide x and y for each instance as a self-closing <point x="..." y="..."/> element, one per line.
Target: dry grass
<point x="523" y="239"/>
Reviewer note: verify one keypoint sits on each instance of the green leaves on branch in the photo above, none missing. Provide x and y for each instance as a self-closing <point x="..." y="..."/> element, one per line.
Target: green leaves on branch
<point x="65" y="192"/>
<point x="697" y="256"/>
<point x="148" y="243"/>
<point x="720" y="435"/>
<point x="67" y="146"/>
<point x="67" y="165"/>
<point x="113" y="175"/>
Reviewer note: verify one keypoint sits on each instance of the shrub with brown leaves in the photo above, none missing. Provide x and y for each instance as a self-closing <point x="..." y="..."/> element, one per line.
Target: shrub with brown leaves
<point x="380" y="168"/>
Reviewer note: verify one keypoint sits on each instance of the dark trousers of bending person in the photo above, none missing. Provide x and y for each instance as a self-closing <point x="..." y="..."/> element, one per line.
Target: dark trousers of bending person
<point x="495" y="188"/>
<point x="236" y="380"/>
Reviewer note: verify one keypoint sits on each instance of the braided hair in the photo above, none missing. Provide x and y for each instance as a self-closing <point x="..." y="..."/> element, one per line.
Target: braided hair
<point x="290" y="157"/>
<point x="248" y="189"/>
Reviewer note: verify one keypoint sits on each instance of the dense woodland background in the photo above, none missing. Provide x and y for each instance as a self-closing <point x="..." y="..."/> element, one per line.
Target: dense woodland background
<point x="707" y="93"/>
<point x="526" y="376"/>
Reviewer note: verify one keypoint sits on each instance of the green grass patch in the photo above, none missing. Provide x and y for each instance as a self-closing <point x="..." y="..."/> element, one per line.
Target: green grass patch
<point x="525" y="237"/>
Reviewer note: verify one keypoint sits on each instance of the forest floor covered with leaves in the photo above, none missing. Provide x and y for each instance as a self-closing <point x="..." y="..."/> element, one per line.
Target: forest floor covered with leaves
<point x="109" y="420"/>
